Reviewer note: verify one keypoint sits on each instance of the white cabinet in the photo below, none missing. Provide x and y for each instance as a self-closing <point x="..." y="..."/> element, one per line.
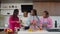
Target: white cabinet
<point x="10" y="6"/>
<point x="5" y="12"/>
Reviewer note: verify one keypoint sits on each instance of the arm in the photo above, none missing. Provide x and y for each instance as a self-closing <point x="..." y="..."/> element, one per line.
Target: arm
<point x="40" y="23"/>
<point x="50" y="23"/>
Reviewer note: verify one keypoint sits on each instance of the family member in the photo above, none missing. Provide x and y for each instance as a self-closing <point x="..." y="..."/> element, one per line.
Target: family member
<point x="25" y="20"/>
<point x="34" y="20"/>
<point x="14" y="20"/>
<point x="45" y="20"/>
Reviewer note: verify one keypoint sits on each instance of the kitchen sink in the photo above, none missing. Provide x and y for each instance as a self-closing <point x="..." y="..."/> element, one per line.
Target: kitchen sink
<point x="53" y="30"/>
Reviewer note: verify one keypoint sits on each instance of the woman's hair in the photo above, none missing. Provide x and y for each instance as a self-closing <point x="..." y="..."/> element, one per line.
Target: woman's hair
<point x="15" y="13"/>
<point x="47" y="14"/>
<point x="35" y="11"/>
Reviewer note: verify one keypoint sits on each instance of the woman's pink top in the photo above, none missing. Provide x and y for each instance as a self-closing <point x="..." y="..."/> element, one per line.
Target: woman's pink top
<point x="49" y="20"/>
<point x="13" y="22"/>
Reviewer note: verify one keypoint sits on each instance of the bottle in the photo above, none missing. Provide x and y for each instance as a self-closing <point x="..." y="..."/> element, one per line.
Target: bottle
<point x="55" y="23"/>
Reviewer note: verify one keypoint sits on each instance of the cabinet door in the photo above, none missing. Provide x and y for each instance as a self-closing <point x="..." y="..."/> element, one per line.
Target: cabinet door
<point x="5" y="12"/>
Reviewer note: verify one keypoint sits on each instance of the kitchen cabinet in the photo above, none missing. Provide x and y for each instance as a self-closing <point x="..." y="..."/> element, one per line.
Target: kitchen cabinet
<point x="9" y="12"/>
<point x="10" y="6"/>
<point x="5" y="12"/>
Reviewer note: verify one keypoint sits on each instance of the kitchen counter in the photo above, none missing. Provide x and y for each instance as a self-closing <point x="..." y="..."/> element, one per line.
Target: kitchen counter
<point x="38" y="32"/>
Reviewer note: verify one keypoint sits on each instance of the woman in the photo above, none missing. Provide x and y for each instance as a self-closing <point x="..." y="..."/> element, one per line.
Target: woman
<point x="25" y="20"/>
<point x="34" y="20"/>
<point x="14" y="20"/>
<point x="45" y="21"/>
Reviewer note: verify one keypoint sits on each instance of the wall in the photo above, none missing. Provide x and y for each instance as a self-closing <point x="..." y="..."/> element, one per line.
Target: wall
<point x="52" y="7"/>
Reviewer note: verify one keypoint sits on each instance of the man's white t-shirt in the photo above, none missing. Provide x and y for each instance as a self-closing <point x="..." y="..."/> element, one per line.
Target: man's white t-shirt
<point x="25" y="21"/>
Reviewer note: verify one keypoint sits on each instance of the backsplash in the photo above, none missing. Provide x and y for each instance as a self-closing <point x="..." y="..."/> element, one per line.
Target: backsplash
<point x="6" y="20"/>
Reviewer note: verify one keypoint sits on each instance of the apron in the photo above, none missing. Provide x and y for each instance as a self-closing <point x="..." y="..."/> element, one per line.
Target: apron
<point x="35" y="20"/>
<point x="45" y="27"/>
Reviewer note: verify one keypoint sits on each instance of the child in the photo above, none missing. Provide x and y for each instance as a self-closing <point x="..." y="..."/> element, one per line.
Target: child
<point x="25" y="20"/>
<point x="34" y="20"/>
<point x="45" y="21"/>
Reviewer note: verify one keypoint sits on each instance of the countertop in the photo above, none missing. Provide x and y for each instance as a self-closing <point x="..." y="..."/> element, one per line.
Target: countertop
<point x="38" y="32"/>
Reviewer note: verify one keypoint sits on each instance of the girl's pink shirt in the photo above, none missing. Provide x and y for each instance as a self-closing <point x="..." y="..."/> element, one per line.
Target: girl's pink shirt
<point x="33" y="21"/>
<point x="13" y="22"/>
<point x="49" y="20"/>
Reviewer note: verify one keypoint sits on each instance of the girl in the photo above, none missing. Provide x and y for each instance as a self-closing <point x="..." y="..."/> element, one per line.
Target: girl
<point x="45" y="21"/>
<point x="14" y="20"/>
<point x="34" y="20"/>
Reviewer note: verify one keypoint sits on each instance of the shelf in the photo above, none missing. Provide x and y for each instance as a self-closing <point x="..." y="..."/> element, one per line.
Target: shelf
<point x="9" y="8"/>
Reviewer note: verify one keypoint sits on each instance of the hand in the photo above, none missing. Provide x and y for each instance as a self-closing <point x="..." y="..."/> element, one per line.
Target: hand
<point x="45" y="25"/>
<point x="40" y="28"/>
<point x="20" y="21"/>
<point x="22" y="26"/>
